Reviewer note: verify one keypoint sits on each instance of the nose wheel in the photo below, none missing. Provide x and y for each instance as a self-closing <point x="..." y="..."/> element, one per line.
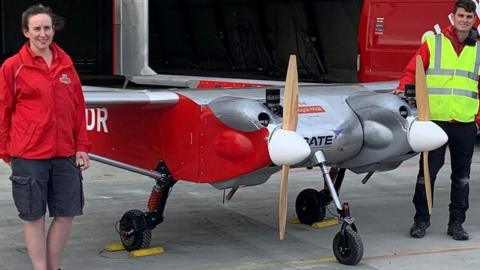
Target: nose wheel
<point x="348" y="247"/>
<point x="347" y="244"/>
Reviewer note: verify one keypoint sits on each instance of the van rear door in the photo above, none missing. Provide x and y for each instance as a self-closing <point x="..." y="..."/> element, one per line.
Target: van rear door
<point x="390" y="32"/>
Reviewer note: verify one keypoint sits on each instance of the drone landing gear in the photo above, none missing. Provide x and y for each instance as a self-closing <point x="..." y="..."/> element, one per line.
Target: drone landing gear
<point x="311" y="205"/>
<point x="347" y="244"/>
<point x="135" y="226"/>
<point x="131" y="236"/>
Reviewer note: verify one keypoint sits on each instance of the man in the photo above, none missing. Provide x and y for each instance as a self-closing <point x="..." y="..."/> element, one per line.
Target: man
<point x="451" y="62"/>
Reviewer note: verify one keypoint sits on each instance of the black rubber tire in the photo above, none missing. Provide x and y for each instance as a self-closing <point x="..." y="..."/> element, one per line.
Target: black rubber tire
<point x="137" y="240"/>
<point x="351" y="252"/>
<point x="324" y="198"/>
<point x="309" y="207"/>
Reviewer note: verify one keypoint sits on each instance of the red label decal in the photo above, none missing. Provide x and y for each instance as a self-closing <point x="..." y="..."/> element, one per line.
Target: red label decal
<point x="310" y="109"/>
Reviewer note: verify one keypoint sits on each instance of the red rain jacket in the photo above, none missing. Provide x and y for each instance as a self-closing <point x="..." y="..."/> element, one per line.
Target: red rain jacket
<point x="42" y="110"/>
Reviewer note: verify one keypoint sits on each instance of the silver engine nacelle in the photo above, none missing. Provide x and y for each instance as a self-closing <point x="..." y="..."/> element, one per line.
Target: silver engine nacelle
<point x="385" y="120"/>
<point x="363" y="131"/>
<point x="242" y="113"/>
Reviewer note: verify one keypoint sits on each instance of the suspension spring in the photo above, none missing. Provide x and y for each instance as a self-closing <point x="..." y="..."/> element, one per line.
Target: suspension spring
<point x="154" y="199"/>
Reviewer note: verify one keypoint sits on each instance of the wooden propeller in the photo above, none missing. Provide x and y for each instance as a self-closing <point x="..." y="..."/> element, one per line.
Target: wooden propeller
<point x="423" y="113"/>
<point x="290" y="109"/>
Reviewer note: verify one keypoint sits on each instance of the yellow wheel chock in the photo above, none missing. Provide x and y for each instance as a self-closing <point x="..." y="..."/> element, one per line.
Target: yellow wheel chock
<point x="135" y="253"/>
<point x="327" y="222"/>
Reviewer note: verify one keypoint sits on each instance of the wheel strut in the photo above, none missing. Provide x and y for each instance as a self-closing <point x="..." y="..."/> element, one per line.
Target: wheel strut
<point x="347" y="244"/>
<point x="320" y="160"/>
<point x="135" y="226"/>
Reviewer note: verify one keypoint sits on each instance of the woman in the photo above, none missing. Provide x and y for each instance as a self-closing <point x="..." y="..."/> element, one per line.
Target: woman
<point x="43" y="137"/>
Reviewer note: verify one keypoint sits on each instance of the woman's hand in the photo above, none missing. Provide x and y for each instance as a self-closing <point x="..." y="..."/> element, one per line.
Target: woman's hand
<point x="82" y="160"/>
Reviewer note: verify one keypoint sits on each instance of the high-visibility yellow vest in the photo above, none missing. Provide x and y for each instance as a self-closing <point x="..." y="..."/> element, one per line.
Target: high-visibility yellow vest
<point x="452" y="80"/>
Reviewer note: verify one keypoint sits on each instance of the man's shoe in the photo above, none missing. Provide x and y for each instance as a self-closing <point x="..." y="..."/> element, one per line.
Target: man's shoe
<point x="418" y="229"/>
<point x="457" y="232"/>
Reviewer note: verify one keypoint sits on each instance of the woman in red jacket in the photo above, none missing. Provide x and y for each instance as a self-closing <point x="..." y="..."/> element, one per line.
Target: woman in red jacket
<point x="43" y="137"/>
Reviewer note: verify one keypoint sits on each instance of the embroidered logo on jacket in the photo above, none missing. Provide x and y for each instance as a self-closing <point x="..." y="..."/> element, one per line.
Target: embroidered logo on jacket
<point x="65" y="79"/>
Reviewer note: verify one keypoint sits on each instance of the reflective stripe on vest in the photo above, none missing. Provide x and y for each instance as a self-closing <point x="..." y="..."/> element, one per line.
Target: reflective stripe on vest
<point x="452" y="80"/>
<point x="457" y="92"/>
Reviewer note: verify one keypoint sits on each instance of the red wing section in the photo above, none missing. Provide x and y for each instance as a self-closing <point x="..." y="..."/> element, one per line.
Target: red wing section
<point x="194" y="144"/>
<point x="130" y="134"/>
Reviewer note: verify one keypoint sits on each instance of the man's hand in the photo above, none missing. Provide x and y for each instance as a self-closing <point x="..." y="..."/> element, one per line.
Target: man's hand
<point x="397" y="92"/>
<point x="477" y="122"/>
<point x="82" y="161"/>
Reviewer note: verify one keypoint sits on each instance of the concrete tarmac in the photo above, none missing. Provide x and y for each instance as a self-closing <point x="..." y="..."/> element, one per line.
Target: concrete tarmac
<point x="201" y="232"/>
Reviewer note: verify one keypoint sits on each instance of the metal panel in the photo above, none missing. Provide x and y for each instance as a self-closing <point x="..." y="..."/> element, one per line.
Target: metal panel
<point x="101" y="96"/>
<point x="131" y="38"/>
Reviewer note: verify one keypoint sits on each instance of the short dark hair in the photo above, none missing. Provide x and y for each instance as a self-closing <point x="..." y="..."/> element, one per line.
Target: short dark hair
<point x="468" y="5"/>
<point x="57" y="21"/>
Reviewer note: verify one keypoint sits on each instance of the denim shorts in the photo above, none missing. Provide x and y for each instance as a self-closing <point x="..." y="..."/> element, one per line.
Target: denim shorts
<point x="55" y="182"/>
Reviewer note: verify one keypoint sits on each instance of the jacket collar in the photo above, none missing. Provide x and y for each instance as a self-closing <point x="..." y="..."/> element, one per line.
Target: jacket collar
<point x="59" y="56"/>
<point x="449" y="33"/>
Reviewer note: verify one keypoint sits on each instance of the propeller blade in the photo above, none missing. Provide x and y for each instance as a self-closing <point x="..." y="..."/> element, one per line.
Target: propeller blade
<point x="282" y="201"/>
<point x="290" y="108"/>
<point x="423" y="113"/>
<point x="421" y="94"/>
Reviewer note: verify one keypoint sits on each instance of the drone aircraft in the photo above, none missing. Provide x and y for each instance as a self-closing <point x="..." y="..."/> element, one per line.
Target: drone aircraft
<point x="258" y="128"/>
<point x="186" y="135"/>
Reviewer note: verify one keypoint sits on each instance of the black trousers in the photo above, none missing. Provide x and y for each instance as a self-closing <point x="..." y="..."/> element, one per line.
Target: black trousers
<point x="461" y="142"/>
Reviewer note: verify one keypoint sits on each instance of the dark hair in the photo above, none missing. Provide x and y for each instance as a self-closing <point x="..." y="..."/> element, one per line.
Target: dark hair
<point x="57" y="21"/>
<point x="468" y="5"/>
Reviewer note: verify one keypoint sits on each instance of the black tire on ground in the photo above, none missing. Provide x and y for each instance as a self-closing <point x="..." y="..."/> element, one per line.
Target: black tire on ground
<point x="324" y="198"/>
<point x="137" y="240"/>
<point x="348" y="252"/>
<point x="309" y="207"/>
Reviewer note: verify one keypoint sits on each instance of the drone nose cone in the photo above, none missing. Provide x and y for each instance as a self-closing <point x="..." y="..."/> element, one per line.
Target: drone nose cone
<point x="287" y="147"/>
<point x="426" y="136"/>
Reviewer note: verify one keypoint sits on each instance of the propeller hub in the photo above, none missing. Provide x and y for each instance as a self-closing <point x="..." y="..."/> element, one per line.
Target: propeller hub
<point x="287" y="147"/>
<point x="426" y="136"/>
